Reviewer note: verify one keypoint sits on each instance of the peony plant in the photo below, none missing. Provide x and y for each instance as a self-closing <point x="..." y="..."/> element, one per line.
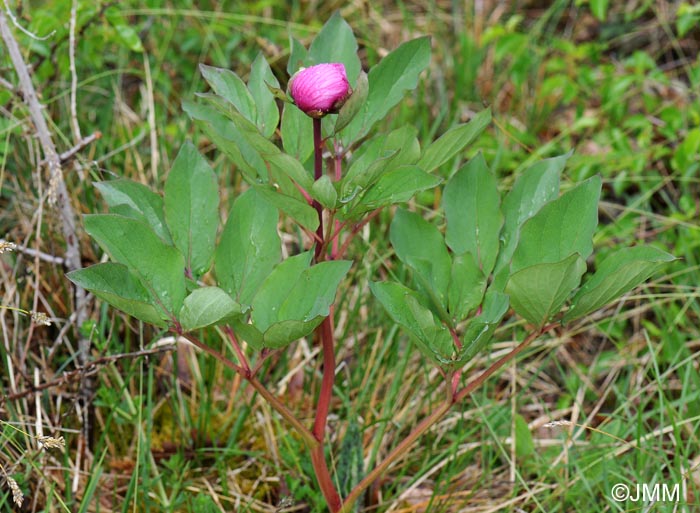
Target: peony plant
<point x="521" y="252"/>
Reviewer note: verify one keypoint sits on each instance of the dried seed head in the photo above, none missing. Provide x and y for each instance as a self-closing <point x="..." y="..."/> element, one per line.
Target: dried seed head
<point x="557" y="423"/>
<point x="17" y="495"/>
<point x="49" y="442"/>
<point x="6" y="246"/>
<point x="41" y="319"/>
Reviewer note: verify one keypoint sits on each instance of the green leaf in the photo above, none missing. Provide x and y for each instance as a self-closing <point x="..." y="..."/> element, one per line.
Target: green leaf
<point x="336" y="43"/>
<point x="249" y="248"/>
<point x="323" y="191"/>
<point x="599" y="8"/>
<point x="297" y="56"/>
<point x="453" y="141"/>
<point x="400" y="147"/>
<point x="419" y="245"/>
<point x="536" y="186"/>
<point x="619" y="273"/>
<point x="481" y="329"/>
<point x="126" y="33"/>
<point x="158" y="266"/>
<point x="524" y="444"/>
<point x="471" y="202"/>
<point x="267" y="112"/>
<point x="314" y="292"/>
<point x="388" y="82"/>
<point x="276" y="287"/>
<point x="301" y="212"/>
<point x="295" y="298"/>
<point x="538" y="292"/>
<point x="230" y="138"/>
<point x="354" y="104"/>
<point x="403" y="306"/>
<point x="192" y="208"/>
<point x="290" y="167"/>
<point x="207" y="306"/>
<point x="467" y="286"/>
<point x="562" y="227"/>
<point x="397" y="186"/>
<point x="114" y="284"/>
<point x="297" y="133"/>
<point x="229" y="86"/>
<point x="135" y="200"/>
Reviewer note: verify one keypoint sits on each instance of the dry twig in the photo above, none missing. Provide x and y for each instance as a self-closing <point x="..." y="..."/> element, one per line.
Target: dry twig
<point x="58" y="193"/>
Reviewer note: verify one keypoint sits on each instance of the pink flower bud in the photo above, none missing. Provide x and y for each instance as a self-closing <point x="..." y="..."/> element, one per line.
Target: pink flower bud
<point x="321" y="89"/>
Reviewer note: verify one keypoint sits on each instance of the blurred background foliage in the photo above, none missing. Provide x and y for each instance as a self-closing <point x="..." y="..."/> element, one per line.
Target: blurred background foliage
<point x="617" y="82"/>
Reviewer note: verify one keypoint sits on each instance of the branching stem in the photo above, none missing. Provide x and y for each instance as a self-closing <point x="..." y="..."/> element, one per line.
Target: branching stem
<point x="434" y="417"/>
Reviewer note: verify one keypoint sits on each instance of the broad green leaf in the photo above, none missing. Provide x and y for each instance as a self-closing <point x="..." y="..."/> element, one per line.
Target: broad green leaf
<point x="453" y="141"/>
<point x="301" y="212"/>
<point x="114" y="284"/>
<point x="323" y="191"/>
<point x="158" y="266"/>
<point x="229" y="139"/>
<point x="435" y="335"/>
<point x="229" y="86"/>
<point x="290" y="167"/>
<point x="246" y="331"/>
<point x="561" y="227"/>
<point x="536" y="186"/>
<point x="297" y="56"/>
<point x="276" y="287"/>
<point x="295" y="298"/>
<point x="467" y="286"/>
<point x="135" y="200"/>
<point x="471" y="202"/>
<point x="420" y="245"/>
<point x="336" y="43"/>
<point x="249" y="248"/>
<point x="539" y="291"/>
<point x="354" y="104"/>
<point x="297" y="133"/>
<point x="619" y="273"/>
<point x="267" y="112"/>
<point x="397" y="186"/>
<point x="480" y="330"/>
<point x="192" y="208"/>
<point x="314" y="291"/>
<point x="283" y="333"/>
<point x="388" y="82"/>
<point x="207" y="306"/>
<point x="400" y="147"/>
<point x="403" y="306"/>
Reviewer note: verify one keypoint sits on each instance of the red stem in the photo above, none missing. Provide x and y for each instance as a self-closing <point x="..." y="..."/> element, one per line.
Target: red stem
<point x="325" y="331"/>
<point x="318" y="172"/>
<point x="239" y="351"/>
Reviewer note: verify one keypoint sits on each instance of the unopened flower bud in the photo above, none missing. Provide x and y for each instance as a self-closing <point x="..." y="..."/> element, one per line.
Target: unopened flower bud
<point x="321" y="89"/>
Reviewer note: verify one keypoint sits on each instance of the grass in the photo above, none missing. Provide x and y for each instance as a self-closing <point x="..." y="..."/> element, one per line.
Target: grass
<point x="179" y="432"/>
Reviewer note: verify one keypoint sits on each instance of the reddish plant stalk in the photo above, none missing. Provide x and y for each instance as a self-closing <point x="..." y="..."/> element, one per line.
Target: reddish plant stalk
<point x="325" y="331"/>
<point x="318" y="173"/>
<point x="239" y="351"/>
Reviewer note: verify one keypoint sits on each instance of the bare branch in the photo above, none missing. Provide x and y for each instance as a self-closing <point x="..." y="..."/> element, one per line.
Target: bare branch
<point x="58" y="194"/>
<point x="75" y="126"/>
